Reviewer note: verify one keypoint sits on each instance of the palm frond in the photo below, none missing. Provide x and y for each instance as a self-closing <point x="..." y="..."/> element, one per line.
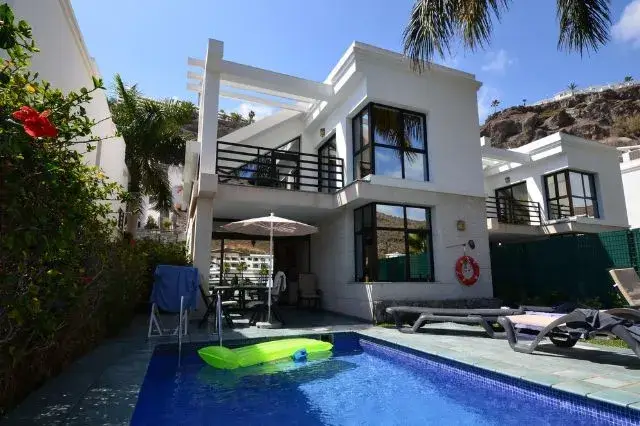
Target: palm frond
<point x="475" y="20"/>
<point x="584" y="24"/>
<point x="434" y="24"/>
<point x="430" y="30"/>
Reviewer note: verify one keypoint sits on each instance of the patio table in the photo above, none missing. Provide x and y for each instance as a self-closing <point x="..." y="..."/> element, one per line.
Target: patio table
<point x="242" y="292"/>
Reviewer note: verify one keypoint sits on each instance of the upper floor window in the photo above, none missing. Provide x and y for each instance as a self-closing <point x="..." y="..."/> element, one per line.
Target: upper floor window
<point x="390" y="142"/>
<point x="571" y="193"/>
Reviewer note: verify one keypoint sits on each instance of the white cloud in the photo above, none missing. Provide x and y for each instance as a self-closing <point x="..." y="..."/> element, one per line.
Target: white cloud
<point x="498" y="61"/>
<point x="261" y="111"/>
<point x="627" y="29"/>
<point x="486" y="94"/>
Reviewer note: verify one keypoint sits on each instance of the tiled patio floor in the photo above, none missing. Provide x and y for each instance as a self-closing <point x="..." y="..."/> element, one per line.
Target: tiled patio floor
<point x="102" y="387"/>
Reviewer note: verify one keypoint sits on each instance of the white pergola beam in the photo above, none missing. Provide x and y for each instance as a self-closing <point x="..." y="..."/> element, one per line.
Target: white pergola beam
<point x="194" y="76"/>
<point x="263" y="101"/>
<point x="196" y="62"/>
<point x="193" y="87"/>
<point x="273" y="83"/>
<point x="504" y="155"/>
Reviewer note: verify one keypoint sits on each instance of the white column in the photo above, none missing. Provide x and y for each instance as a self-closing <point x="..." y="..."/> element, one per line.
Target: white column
<point x="208" y="117"/>
<point x="202" y="245"/>
<point x="207" y="179"/>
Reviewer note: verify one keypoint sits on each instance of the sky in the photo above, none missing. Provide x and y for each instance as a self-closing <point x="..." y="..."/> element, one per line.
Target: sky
<point x="148" y="42"/>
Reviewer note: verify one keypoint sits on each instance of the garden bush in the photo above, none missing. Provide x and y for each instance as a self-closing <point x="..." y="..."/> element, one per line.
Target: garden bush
<point x="67" y="279"/>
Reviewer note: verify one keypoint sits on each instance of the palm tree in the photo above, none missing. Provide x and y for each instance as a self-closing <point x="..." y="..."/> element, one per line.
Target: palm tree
<point x="435" y="26"/>
<point x="154" y="139"/>
<point x="495" y="104"/>
<point x="572" y="87"/>
<point x="252" y="116"/>
<point x="242" y="266"/>
<point x="524" y="101"/>
<point x="628" y="79"/>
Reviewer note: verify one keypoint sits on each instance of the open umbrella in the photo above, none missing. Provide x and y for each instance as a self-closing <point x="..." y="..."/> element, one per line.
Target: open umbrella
<point x="273" y="226"/>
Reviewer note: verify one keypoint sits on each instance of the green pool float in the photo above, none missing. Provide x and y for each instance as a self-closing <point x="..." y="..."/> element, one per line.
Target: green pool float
<point x="229" y="359"/>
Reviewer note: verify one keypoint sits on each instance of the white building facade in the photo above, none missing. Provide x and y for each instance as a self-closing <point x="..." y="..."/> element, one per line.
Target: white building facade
<point x="556" y="185"/>
<point x="64" y="61"/>
<point x="383" y="160"/>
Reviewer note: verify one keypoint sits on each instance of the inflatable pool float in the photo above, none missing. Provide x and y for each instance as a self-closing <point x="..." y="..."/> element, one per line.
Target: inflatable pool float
<point x="228" y="359"/>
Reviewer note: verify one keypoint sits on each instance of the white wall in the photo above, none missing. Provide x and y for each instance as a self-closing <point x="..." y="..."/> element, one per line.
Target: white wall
<point x="587" y="157"/>
<point x="63" y="60"/>
<point x="631" y="182"/>
<point x="332" y="255"/>
<point x="450" y="104"/>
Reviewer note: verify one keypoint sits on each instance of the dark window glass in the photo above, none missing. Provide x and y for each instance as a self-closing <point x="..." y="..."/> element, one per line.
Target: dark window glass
<point x="388" y="162"/>
<point x="414" y="131"/>
<point x="398" y="148"/>
<point x="581" y="202"/>
<point x="419" y="257"/>
<point x="357" y="133"/>
<point x="391" y="255"/>
<point x="396" y="246"/>
<point x="365" y="129"/>
<point x="415" y="165"/>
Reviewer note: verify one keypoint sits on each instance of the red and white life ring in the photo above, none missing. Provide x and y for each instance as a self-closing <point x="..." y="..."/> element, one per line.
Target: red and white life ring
<point x="467" y="270"/>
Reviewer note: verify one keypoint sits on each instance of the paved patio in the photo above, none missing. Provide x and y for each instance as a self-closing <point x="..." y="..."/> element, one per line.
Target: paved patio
<point x="102" y="387"/>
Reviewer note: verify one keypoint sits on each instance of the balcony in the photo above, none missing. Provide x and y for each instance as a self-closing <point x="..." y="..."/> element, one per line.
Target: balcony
<point x="513" y="212"/>
<point x="248" y="165"/>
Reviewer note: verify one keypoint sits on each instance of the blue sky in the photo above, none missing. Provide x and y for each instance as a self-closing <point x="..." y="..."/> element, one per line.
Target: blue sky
<point x="148" y="42"/>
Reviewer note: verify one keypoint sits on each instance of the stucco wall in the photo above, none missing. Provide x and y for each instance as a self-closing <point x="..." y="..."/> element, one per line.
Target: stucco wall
<point x="601" y="161"/>
<point x="64" y="61"/>
<point x="631" y="182"/>
<point x="332" y="255"/>
<point x="450" y="104"/>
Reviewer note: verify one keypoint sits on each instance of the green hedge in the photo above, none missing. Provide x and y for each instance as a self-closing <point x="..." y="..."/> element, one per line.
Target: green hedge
<point x="66" y="280"/>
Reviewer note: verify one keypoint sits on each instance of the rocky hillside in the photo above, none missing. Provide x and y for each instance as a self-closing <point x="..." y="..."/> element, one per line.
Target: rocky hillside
<point x="610" y="116"/>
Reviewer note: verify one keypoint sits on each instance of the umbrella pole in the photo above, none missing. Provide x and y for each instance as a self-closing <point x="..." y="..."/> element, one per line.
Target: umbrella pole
<point x="270" y="281"/>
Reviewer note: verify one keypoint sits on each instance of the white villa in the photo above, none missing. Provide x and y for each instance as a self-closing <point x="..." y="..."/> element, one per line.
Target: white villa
<point x="383" y="160"/>
<point x="560" y="184"/>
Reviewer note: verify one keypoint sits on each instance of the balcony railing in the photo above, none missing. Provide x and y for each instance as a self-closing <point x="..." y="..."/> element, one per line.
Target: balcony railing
<point x="277" y="168"/>
<point x="516" y="212"/>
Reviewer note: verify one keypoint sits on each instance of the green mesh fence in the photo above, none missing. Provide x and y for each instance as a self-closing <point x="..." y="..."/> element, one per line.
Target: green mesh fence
<point x="563" y="268"/>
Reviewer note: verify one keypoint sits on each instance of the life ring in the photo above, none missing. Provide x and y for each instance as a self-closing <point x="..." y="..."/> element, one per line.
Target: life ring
<point x="467" y="270"/>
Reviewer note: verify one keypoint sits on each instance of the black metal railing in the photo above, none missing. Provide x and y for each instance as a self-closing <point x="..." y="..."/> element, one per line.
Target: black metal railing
<point x="517" y="212"/>
<point x="277" y="168"/>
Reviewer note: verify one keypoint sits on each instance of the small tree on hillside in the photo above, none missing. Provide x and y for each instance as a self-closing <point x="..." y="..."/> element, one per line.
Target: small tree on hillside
<point x="572" y="87"/>
<point x="524" y="101"/>
<point x="495" y="104"/>
<point x="628" y="78"/>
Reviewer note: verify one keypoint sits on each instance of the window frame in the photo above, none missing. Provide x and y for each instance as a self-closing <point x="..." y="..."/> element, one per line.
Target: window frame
<point x="368" y="109"/>
<point x="591" y="177"/>
<point x="373" y="231"/>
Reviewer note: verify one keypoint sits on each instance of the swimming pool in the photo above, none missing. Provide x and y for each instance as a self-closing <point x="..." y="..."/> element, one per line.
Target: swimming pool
<point x="365" y="382"/>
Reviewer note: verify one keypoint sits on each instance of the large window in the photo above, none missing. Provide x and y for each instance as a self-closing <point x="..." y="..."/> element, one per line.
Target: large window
<point x="390" y="142"/>
<point x="393" y="243"/>
<point x="571" y="193"/>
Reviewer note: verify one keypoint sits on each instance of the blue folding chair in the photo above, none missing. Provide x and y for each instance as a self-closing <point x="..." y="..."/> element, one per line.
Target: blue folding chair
<point x="175" y="290"/>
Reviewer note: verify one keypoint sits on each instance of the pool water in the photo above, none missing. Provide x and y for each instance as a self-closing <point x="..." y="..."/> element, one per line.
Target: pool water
<point x="363" y="383"/>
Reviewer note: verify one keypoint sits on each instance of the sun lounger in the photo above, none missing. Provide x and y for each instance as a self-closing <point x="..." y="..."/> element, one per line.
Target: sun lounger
<point x="566" y="330"/>
<point x="487" y="318"/>
<point x="628" y="284"/>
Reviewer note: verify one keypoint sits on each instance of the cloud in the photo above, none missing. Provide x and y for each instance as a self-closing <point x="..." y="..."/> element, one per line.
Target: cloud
<point x="261" y="111"/>
<point x="486" y="94"/>
<point x="627" y="29"/>
<point x="498" y="61"/>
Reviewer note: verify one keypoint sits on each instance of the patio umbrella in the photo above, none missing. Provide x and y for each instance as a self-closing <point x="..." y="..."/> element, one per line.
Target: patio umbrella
<point x="273" y="226"/>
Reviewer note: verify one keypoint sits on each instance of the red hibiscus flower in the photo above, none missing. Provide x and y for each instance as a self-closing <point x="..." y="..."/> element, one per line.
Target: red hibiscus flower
<point x="86" y="280"/>
<point x="36" y="125"/>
